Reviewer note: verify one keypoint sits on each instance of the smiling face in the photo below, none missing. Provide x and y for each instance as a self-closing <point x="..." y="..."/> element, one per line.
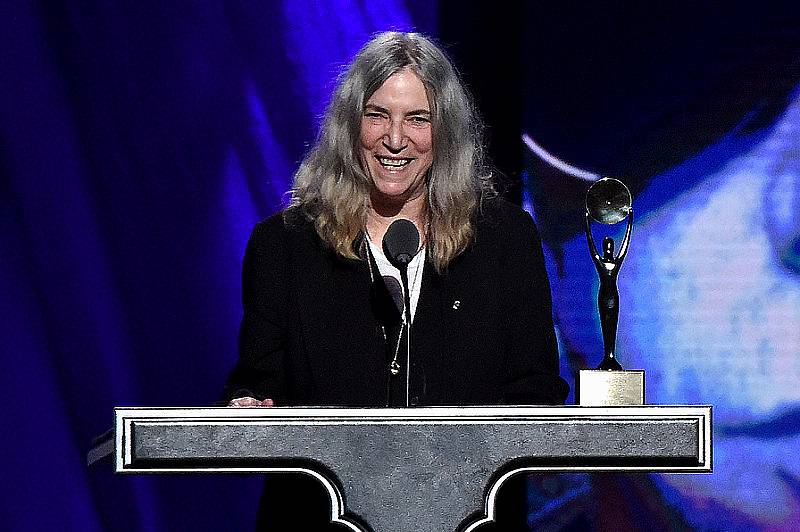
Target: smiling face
<point x="396" y="140"/>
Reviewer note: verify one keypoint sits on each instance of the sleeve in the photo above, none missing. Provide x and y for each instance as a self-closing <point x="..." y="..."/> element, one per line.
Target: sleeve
<point x="259" y="371"/>
<point x="533" y="365"/>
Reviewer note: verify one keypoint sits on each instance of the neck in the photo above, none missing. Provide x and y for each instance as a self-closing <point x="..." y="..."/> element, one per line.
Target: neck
<point x="380" y="216"/>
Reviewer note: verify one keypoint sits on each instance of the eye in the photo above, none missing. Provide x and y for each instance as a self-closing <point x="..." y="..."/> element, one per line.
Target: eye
<point x="419" y="119"/>
<point x="373" y="114"/>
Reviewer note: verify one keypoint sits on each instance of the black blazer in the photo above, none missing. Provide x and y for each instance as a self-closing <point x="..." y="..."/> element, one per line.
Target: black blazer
<point x="482" y="332"/>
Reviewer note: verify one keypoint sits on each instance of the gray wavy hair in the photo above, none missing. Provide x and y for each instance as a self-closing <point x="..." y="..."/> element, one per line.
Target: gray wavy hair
<point x="331" y="187"/>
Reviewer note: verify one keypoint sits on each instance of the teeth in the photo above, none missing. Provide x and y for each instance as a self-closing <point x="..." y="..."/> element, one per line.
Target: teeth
<point x="394" y="163"/>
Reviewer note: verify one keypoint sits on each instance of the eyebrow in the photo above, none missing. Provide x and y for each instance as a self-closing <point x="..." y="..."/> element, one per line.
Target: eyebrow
<point x="386" y="111"/>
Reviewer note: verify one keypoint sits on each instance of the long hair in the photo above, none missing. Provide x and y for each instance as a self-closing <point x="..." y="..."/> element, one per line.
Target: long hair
<point x="331" y="187"/>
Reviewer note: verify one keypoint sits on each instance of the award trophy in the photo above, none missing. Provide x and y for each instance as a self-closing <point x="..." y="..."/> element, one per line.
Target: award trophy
<point x="608" y="201"/>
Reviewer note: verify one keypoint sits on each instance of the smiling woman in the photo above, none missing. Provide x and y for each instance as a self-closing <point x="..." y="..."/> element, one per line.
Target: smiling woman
<point x="400" y="140"/>
<point x="397" y="150"/>
<point x="334" y="185"/>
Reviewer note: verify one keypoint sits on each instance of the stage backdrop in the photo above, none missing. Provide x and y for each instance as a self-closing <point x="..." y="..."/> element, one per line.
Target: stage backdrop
<point x="697" y="109"/>
<point x="139" y="143"/>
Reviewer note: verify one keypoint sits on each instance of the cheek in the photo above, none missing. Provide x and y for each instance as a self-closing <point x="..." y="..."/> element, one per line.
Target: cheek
<point x="370" y="135"/>
<point x="422" y="140"/>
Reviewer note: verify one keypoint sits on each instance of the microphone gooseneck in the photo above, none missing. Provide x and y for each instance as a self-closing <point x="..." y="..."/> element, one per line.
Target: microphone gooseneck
<point x="400" y="245"/>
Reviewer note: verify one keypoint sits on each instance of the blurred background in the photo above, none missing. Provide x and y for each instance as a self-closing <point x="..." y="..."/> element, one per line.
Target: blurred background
<point x="140" y="142"/>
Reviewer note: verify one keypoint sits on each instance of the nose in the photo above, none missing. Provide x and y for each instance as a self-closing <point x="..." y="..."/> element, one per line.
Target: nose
<point x="395" y="138"/>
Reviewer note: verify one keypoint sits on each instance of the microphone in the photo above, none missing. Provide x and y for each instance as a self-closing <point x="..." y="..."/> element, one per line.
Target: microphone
<point x="400" y="243"/>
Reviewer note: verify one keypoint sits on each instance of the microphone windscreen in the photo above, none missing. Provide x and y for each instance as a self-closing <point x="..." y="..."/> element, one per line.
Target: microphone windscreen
<point x="401" y="242"/>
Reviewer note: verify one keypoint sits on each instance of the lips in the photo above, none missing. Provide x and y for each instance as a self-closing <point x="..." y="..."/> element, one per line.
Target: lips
<point x="393" y="163"/>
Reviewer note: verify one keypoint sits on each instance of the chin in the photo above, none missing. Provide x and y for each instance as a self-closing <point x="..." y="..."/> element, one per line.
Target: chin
<point x="396" y="192"/>
<point x="396" y="183"/>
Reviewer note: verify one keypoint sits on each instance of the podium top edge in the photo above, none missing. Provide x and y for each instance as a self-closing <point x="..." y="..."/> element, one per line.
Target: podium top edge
<point x="419" y="412"/>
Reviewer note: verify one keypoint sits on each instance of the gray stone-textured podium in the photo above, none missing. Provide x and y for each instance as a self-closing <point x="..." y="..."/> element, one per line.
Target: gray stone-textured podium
<point x="413" y="469"/>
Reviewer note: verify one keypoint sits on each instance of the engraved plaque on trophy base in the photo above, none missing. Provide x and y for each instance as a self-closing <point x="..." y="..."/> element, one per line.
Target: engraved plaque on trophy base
<point x="599" y="387"/>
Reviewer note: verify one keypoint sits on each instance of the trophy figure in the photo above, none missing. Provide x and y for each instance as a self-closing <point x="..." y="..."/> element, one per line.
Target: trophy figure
<point x="608" y="201"/>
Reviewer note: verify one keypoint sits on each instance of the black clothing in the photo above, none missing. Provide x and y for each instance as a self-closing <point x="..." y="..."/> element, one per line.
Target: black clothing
<point x="482" y="333"/>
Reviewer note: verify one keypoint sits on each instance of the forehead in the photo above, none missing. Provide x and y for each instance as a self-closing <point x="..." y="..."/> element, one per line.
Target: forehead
<point x="404" y="87"/>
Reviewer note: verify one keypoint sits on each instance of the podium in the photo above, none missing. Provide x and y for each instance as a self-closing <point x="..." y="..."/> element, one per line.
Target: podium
<point x="412" y="469"/>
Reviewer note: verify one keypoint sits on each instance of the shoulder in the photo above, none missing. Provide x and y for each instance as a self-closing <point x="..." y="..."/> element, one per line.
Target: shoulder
<point x="279" y="238"/>
<point x="275" y="245"/>
<point x="506" y="234"/>
<point x="281" y="227"/>
<point x="501" y="219"/>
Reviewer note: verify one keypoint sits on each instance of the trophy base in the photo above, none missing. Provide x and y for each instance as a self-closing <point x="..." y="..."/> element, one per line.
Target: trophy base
<point x="598" y="387"/>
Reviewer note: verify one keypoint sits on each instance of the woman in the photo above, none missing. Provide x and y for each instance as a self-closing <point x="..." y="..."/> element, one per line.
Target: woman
<point x="400" y="139"/>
